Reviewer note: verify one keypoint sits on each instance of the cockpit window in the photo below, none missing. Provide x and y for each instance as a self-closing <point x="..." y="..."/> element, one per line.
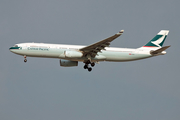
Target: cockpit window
<point x="15" y="45"/>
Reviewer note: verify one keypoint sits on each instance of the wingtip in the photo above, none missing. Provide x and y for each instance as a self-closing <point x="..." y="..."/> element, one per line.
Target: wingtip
<point x="121" y="31"/>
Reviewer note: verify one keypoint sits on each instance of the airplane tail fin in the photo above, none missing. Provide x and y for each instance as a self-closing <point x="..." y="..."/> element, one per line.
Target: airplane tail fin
<point x="158" y="40"/>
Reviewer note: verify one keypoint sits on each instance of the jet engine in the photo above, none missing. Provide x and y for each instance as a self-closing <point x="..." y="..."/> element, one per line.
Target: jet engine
<point x="68" y="63"/>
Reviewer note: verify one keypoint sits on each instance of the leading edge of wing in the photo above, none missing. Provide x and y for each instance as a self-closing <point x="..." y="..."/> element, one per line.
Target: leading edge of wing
<point x="103" y="43"/>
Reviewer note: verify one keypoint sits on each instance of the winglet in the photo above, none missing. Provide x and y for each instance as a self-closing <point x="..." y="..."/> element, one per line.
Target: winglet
<point x="121" y="32"/>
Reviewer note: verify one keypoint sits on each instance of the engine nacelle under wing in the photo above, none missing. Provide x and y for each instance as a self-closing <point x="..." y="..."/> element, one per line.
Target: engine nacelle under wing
<point x="68" y="63"/>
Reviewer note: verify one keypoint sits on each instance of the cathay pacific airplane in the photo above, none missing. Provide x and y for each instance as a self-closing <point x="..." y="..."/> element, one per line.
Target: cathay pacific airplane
<point x="70" y="55"/>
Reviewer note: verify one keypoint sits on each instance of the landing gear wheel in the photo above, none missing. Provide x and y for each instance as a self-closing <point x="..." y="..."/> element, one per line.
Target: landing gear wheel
<point x="85" y="66"/>
<point x="88" y="62"/>
<point x="25" y="60"/>
<point x="93" y="64"/>
<point x="89" y="69"/>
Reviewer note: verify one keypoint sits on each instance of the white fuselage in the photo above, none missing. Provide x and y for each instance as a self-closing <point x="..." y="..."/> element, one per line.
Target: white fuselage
<point x="60" y="51"/>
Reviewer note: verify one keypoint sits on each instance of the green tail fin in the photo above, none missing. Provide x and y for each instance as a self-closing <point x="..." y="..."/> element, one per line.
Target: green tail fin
<point x="158" y="40"/>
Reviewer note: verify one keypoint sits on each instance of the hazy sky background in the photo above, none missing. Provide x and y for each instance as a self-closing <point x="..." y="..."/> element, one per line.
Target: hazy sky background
<point x="42" y="90"/>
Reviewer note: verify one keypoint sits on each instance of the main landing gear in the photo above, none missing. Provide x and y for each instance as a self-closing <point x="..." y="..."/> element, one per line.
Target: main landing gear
<point x="25" y="60"/>
<point x="86" y="66"/>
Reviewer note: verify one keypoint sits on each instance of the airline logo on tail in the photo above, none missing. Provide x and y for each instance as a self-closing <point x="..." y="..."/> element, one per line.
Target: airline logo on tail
<point x="158" y="40"/>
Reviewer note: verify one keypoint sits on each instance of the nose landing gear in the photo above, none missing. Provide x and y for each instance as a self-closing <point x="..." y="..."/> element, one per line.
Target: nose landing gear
<point x="25" y="60"/>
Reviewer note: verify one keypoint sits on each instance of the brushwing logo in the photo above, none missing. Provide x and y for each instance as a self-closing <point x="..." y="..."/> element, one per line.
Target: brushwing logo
<point x="159" y="41"/>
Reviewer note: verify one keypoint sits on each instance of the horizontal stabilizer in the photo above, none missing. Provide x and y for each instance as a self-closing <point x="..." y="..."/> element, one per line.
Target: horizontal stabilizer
<point x="160" y="50"/>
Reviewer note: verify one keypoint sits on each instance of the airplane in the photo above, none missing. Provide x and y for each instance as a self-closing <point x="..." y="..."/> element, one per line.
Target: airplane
<point x="70" y="55"/>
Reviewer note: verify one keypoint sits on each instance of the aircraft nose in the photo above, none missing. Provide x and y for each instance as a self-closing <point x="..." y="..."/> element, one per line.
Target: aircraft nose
<point x="10" y="49"/>
<point x="14" y="48"/>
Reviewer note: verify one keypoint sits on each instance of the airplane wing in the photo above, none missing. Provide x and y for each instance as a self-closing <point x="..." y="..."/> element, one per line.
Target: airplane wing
<point x="93" y="49"/>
